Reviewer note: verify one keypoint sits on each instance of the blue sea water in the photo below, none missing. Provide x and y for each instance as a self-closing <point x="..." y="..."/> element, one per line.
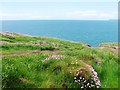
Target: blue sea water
<point x="93" y="32"/>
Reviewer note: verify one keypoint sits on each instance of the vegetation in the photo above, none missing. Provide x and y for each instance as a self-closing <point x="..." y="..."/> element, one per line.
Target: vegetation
<point x="57" y="63"/>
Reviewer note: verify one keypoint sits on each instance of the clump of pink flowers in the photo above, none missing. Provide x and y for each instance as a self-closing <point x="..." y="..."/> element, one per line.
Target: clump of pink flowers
<point x="57" y="57"/>
<point x="91" y="82"/>
<point x="7" y="34"/>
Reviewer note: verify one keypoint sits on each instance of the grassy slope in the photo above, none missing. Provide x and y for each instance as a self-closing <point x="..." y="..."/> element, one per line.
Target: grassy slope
<point x="31" y="70"/>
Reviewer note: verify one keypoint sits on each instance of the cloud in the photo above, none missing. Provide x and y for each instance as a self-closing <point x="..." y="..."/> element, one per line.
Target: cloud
<point x="91" y="14"/>
<point x="105" y="15"/>
<point x="74" y="14"/>
<point x="8" y="16"/>
<point x="21" y="16"/>
<point x="41" y="17"/>
<point x="85" y="12"/>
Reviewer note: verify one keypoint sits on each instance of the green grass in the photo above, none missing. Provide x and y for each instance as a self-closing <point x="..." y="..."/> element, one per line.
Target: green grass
<point x="30" y="67"/>
<point x="31" y="70"/>
<point x="10" y="48"/>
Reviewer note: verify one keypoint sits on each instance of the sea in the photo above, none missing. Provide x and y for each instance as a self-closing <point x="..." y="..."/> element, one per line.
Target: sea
<point x="92" y="32"/>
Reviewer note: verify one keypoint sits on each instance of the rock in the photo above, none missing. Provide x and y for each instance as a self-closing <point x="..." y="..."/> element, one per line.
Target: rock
<point x="86" y="45"/>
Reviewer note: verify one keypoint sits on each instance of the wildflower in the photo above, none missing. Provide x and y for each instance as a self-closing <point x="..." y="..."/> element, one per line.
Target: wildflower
<point x="89" y="87"/>
<point x="82" y="87"/>
<point x="83" y="78"/>
<point x="87" y="84"/>
<point x="76" y="81"/>
<point x="80" y="77"/>
<point x="76" y="62"/>
<point x="74" y="77"/>
<point x="97" y="86"/>
<point x="92" y="85"/>
<point x="91" y="81"/>
<point x="84" y="81"/>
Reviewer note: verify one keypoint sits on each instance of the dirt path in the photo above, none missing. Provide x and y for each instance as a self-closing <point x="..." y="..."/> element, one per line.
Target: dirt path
<point x="114" y="49"/>
<point x="21" y="52"/>
<point x="29" y="52"/>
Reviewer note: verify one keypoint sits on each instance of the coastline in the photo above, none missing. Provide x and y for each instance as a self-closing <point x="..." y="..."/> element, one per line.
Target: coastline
<point x="4" y="33"/>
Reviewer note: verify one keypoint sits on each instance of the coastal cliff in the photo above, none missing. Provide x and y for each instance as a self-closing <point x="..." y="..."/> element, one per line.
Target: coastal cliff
<point x="42" y="62"/>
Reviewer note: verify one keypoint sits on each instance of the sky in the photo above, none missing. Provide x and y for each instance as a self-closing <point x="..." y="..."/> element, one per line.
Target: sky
<point x="59" y="0"/>
<point x="69" y="10"/>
